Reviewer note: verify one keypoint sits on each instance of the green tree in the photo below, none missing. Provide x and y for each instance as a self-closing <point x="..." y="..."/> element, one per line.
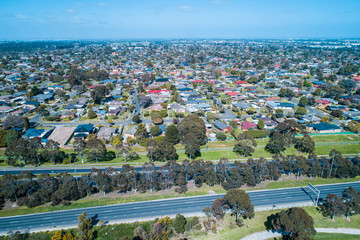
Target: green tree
<point x="294" y="223"/>
<point x="172" y="134"/>
<point x="305" y="144"/>
<point x="95" y="149"/>
<point x="35" y="91"/>
<point x="233" y="124"/>
<point x="136" y="119"/>
<point x="261" y="124"/>
<point x="240" y="204"/>
<point x="80" y="148"/>
<point x="317" y="92"/>
<point x="179" y="224"/>
<point x="221" y="136"/>
<point x="141" y="133"/>
<point x="155" y="130"/>
<point x="351" y="199"/>
<point x="26" y="123"/>
<point x="353" y="126"/>
<point x="303" y="101"/>
<point x="333" y="206"/>
<point x="85" y="228"/>
<point x="251" y="110"/>
<point x="2" y="138"/>
<point x="245" y="145"/>
<point x="91" y="114"/>
<point x="300" y="111"/>
<point x="192" y="133"/>
<point x="17" y="151"/>
<point x="11" y="135"/>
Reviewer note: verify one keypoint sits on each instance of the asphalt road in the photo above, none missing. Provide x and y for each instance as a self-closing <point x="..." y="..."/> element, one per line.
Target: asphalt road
<point x="159" y="208"/>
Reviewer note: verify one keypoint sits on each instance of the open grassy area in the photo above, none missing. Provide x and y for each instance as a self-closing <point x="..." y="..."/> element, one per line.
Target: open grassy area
<point x="257" y="225"/>
<point x="333" y="236"/>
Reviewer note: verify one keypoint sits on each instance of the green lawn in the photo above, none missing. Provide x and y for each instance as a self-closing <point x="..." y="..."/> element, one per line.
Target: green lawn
<point x="333" y="236"/>
<point x="257" y="225"/>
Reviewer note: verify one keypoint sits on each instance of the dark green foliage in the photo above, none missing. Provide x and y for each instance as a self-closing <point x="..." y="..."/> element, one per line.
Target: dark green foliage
<point x="163" y="151"/>
<point x="192" y="134"/>
<point x="337" y="113"/>
<point x="256" y="133"/>
<point x="26" y="123"/>
<point x="85" y="228"/>
<point x="141" y="133"/>
<point x="35" y="91"/>
<point x="333" y="206"/>
<point x="305" y="144"/>
<point x="179" y="223"/>
<point x="303" y="101"/>
<point x="136" y="119"/>
<point x="13" y="121"/>
<point x="221" y="136"/>
<point x="10" y="136"/>
<point x="155" y="130"/>
<point x="2" y="138"/>
<point x="294" y="223"/>
<point x="172" y="134"/>
<point x="98" y="93"/>
<point x="351" y="199"/>
<point x="240" y="204"/>
<point x="261" y="124"/>
<point x="245" y="145"/>
<point x="95" y="149"/>
<point x="285" y="92"/>
<point x="91" y="114"/>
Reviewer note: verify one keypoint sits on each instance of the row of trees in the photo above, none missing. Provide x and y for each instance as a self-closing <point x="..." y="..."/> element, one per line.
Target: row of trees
<point x="22" y="152"/>
<point x="65" y="188"/>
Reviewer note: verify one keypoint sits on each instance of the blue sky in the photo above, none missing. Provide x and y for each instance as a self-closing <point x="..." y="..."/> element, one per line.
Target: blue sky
<point x="124" y="19"/>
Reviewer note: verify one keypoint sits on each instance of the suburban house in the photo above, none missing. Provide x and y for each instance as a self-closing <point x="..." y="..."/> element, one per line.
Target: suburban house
<point x="106" y="133"/>
<point x="62" y="135"/>
<point x="221" y="126"/>
<point x="269" y="123"/>
<point x="83" y="130"/>
<point x="323" y="127"/>
<point x="247" y="125"/>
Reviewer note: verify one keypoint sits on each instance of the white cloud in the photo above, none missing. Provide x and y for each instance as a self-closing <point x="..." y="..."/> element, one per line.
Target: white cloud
<point x="20" y="16"/>
<point x="70" y="10"/>
<point x="102" y="4"/>
<point x="187" y="8"/>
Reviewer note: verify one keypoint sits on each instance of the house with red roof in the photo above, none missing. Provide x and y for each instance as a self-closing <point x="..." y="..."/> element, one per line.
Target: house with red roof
<point x="323" y="103"/>
<point x="233" y="95"/>
<point x="241" y="82"/>
<point x="247" y="125"/>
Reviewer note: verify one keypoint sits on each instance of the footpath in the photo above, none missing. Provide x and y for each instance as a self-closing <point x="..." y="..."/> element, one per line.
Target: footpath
<point x="266" y="234"/>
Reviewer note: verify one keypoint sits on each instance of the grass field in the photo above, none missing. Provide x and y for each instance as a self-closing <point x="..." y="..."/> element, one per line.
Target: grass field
<point x="257" y="225"/>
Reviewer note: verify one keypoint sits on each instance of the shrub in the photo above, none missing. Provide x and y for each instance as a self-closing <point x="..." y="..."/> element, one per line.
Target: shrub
<point x="221" y="136"/>
<point x="257" y="133"/>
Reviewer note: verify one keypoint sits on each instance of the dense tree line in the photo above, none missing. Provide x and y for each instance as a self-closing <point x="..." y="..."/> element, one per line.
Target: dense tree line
<point x="64" y="188"/>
